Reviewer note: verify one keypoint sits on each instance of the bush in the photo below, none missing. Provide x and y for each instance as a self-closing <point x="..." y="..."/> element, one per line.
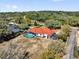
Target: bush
<point x="75" y="52"/>
<point x="55" y="51"/>
<point x="64" y="33"/>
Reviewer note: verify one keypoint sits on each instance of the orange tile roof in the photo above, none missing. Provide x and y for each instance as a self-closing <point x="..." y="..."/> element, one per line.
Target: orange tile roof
<point x="41" y="30"/>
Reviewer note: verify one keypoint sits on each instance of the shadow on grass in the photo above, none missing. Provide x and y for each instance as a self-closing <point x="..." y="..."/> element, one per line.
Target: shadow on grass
<point x="8" y="37"/>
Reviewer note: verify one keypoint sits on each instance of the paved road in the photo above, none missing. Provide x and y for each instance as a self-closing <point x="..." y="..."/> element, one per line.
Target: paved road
<point x="70" y="44"/>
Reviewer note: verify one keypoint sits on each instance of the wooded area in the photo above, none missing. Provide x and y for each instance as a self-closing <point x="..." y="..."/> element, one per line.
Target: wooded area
<point x="50" y="19"/>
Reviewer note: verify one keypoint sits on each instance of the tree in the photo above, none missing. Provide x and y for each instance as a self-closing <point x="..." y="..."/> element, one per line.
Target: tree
<point x="54" y="24"/>
<point x="26" y="20"/>
<point x="23" y="26"/>
<point x="19" y="20"/>
<point x="74" y="22"/>
<point x="35" y="23"/>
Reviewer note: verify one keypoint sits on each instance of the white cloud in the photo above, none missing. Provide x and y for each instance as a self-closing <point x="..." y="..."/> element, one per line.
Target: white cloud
<point x="14" y="6"/>
<point x="11" y="6"/>
<point x="57" y="0"/>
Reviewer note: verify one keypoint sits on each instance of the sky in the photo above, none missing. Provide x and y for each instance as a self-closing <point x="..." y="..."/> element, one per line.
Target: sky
<point x="38" y="5"/>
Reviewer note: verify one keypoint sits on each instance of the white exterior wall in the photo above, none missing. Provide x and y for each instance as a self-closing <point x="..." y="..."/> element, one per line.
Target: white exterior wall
<point x="42" y="35"/>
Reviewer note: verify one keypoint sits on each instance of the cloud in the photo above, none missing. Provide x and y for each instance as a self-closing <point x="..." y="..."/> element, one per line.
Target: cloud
<point x="14" y="6"/>
<point x="11" y="6"/>
<point x="57" y="0"/>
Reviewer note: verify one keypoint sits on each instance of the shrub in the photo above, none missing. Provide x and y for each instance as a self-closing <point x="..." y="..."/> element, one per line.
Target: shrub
<point x="54" y="51"/>
<point x="75" y="52"/>
<point x="64" y="33"/>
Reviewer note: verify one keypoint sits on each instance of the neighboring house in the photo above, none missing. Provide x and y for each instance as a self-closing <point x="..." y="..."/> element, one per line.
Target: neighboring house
<point x="13" y="28"/>
<point x="53" y="36"/>
<point x="43" y="32"/>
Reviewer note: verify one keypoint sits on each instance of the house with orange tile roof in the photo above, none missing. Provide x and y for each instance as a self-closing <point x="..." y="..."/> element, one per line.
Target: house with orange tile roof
<point x="43" y="32"/>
